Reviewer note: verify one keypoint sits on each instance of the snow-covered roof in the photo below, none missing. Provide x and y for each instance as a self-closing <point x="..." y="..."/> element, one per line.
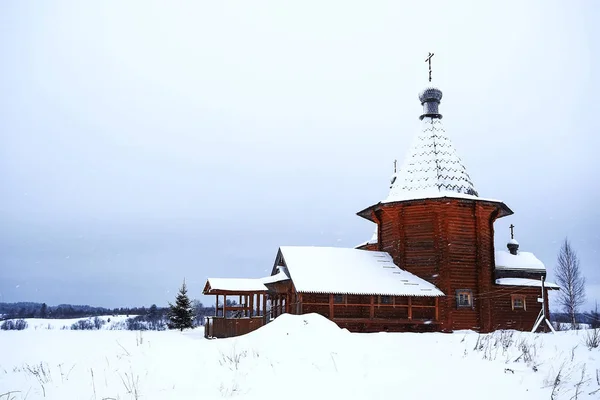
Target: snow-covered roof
<point x="525" y="282"/>
<point x="236" y="284"/>
<point x="373" y="239"/>
<point x="521" y="260"/>
<point x="351" y="271"/>
<point x="278" y="277"/>
<point x="432" y="168"/>
<point x="243" y="284"/>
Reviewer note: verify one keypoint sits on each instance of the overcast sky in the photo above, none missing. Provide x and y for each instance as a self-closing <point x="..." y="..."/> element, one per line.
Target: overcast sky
<point x="142" y="142"/>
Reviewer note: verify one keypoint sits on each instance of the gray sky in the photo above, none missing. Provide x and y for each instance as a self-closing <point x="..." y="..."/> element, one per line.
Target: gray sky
<point x="142" y="143"/>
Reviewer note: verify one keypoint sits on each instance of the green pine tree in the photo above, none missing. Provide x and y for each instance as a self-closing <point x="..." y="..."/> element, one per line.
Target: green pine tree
<point x="181" y="315"/>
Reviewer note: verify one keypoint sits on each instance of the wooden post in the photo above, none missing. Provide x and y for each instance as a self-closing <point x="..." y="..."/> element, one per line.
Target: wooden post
<point x="287" y="303"/>
<point x="331" y="316"/>
<point x="280" y="302"/>
<point x="410" y="308"/>
<point x="224" y="306"/>
<point x="265" y="320"/>
<point x="217" y="307"/>
<point x="251" y="311"/>
<point x="437" y="309"/>
<point x="372" y="308"/>
<point x="300" y="302"/>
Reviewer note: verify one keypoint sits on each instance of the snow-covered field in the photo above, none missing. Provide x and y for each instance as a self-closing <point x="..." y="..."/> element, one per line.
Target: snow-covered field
<point x="295" y="357"/>
<point x="110" y="322"/>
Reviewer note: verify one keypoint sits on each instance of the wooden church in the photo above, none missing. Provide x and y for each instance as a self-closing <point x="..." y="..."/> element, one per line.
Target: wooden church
<point x="430" y="265"/>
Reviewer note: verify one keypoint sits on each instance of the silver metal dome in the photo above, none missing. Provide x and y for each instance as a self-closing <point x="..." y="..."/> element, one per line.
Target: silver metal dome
<point x="430" y="100"/>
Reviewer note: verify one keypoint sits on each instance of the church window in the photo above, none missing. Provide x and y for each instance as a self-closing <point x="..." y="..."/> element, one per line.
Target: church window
<point x="518" y="302"/>
<point x="338" y="298"/>
<point x="385" y="299"/>
<point x="464" y="298"/>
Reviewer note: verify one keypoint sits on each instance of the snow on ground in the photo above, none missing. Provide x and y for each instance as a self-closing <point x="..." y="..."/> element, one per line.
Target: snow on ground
<point x="111" y="322"/>
<point x="295" y="357"/>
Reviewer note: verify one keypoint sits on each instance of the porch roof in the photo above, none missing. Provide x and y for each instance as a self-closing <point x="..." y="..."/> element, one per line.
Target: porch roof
<point x="525" y="282"/>
<point x="242" y="285"/>
<point x="234" y="285"/>
<point x="351" y="271"/>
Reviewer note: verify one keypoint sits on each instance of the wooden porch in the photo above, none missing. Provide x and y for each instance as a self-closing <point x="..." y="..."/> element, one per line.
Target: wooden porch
<point x="221" y="327"/>
<point x="248" y="314"/>
<point x="357" y="313"/>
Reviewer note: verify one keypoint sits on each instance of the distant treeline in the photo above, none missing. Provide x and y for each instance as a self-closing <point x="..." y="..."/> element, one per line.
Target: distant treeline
<point x="591" y="318"/>
<point x="64" y="311"/>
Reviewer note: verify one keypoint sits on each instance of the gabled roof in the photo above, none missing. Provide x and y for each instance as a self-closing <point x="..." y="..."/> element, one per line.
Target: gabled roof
<point x="520" y="261"/>
<point x="351" y="271"/>
<point x="432" y="168"/>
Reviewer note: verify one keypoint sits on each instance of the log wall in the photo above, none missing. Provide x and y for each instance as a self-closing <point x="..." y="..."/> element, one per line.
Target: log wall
<point x="504" y="317"/>
<point x="448" y="242"/>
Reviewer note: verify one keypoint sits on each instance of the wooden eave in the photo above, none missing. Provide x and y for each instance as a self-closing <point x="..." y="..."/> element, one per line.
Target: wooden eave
<point x="369" y="212"/>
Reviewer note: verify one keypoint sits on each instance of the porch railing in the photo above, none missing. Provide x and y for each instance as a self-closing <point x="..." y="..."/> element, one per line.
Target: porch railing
<point x="220" y="327"/>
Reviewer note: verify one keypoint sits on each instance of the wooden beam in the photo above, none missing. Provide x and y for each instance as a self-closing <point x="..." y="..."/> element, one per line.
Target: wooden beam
<point x="251" y="305"/>
<point x="265" y="308"/>
<point x="224" y="306"/>
<point x="437" y="309"/>
<point x="331" y="312"/>
<point x="369" y="305"/>
<point x="372" y="308"/>
<point x="410" y="308"/>
<point x="217" y="307"/>
<point x="395" y="321"/>
<point x="300" y="302"/>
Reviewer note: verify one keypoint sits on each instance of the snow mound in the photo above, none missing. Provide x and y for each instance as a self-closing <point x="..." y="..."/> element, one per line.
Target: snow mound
<point x="307" y="325"/>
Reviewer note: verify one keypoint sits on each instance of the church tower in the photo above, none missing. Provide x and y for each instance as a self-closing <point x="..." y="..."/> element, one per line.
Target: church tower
<point x="434" y="224"/>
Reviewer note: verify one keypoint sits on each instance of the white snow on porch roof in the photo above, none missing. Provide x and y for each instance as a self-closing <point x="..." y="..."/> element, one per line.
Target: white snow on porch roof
<point x="351" y="271"/>
<point x="525" y="282"/>
<point x="237" y="284"/>
<point x="278" y="277"/>
<point x="521" y="260"/>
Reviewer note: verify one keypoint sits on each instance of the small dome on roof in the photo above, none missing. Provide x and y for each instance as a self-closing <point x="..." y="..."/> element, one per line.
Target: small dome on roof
<point x="430" y="94"/>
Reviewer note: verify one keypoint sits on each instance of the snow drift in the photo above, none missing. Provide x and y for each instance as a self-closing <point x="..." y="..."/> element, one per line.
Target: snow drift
<point x="299" y="356"/>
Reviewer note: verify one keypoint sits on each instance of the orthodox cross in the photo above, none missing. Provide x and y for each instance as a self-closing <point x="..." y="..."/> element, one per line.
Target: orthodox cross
<point x="428" y="60"/>
<point x="512" y="233"/>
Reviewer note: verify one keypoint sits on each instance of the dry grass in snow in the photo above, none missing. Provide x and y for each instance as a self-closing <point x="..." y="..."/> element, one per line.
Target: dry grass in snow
<point x="298" y="356"/>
